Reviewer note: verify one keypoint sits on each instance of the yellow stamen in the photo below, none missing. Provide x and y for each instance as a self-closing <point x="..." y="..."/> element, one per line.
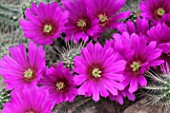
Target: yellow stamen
<point x="135" y="66"/>
<point x="60" y="86"/>
<point x="160" y="12"/>
<point x="96" y="73"/>
<point x="81" y="23"/>
<point x="28" y="73"/>
<point x="102" y="18"/>
<point x="47" y="28"/>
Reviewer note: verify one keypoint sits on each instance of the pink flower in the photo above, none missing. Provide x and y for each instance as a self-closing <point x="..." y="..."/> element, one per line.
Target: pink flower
<point x="107" y="12"/>
<point x="59" y="82"/>
<point x="140" y="27"/>
<point x="20" y="70"/>
<point x="139" y="55"/>
<point x="98" y="71"/>
<point x="29" y="100"/>
<point x="159" y="33"/>
<point x="166" y="19"/>
<point x="154" y="9"/>
<point x="44" y="22"/>
<point x="121" y="94"/>
<point x="81" y="24"/>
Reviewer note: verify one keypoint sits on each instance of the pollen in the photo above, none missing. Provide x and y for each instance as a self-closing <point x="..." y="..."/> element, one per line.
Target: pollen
<point x="96" y="73"/>
<point x="103" y="18"/>
<point x="47" y="28"/>
<point x="160" y="12"/>
<point x="135" y="66"/>
<point x="28" y="74"/>
<point x="60" y="85"/>
<point x="81" y="23"/>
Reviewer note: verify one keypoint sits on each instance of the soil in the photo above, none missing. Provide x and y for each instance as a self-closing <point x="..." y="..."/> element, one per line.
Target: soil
<point x="140" y="108"/>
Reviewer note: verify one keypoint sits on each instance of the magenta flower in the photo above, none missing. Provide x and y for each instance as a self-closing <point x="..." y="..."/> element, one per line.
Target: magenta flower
<point x="121" y="94"/>
<point x="59" y="82"/>
<point x="20" y="70"/>
<point x="29" y="100"/>
<point x="166" y="19"/>
<point x="139" y="55"/>
<point x="98" y="71"/>
<point x="107" y="13"/>
<point x="159" y="34"/>
<point x="154" y="9"/>
<point x="44" y="22"/>
<point x="81" y="24"/>
<point x="140" y="27"/>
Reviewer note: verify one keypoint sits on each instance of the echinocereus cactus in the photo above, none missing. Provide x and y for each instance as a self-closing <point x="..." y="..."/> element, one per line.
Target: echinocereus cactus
<point x="4" y="97"/>
<point x="68" y="53"/>
<point x="158" y="89"/>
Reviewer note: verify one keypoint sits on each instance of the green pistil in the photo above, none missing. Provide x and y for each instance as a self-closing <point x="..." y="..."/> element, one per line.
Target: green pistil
<point x="47" y="28"/>
<point x="60" y="85"/>
<point x="160" y="12"/>
<point x="102" y="18"/>
<point x="81" y="23"/>
<point x="96" y="73"/>
<point x="28" y="73"/>
<point x="135" y="66"/>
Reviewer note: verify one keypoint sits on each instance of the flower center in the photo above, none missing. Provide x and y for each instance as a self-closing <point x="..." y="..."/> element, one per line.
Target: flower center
<point x="81" y="23"/>
<point x="102" y="18"/>
<point x="135" y="66"/>
<point x="160" y="12"/>
<point x="60" y="85"/>
<point x="47" y="28"/>
<point x="28" y="74"/>
<point x="96" y="73"/>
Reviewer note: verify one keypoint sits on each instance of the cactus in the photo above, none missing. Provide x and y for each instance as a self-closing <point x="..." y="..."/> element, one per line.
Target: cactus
<point x="65" y="52"/>
<point x="133" y="6"/>
<point x="9" y="40"/>
<point x="158" y="91"/>
<point x="4" y="94"/>
<point x="11" y="34"/>
<point x="27" y="4"/>
<point x="11" y="11"/>
<point x="9" y="16"/>
<point x="4" y="97"/>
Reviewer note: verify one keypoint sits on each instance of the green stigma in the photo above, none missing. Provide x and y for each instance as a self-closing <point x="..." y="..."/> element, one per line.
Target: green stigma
<point x="160" y="12"/>
<point x="28" y="73"/>
<point x="81" y="23"/>
<point x="60" y="85"/>
<point x="102" y="18"/>
<point x="135" y="66"/>
<point x="96" y="73"/>
<point x="47" y="28"/>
